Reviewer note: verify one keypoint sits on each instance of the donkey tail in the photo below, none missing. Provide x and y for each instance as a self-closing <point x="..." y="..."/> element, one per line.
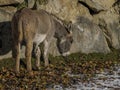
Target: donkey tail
<point x="17" y="32"/>
<point x="20" y="31"/>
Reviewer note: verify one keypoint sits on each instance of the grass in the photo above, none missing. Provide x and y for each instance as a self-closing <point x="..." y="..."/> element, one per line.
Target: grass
<point x="114" y="56"/>
<point x="79" y="57"/>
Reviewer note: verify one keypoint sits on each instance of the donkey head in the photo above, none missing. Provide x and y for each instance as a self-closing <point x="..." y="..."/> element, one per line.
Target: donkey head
<point x="65" y="39"/>
<point x="65" y="44"/>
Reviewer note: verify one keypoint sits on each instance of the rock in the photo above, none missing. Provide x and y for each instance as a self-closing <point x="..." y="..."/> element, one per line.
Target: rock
<point x="98" y="5"/>
<point x="10" y="2"/>
<point x="87" y="41"/>
<point x="5" y="38"/>
<point x="88" y="38"/>
<point x="66" y="10"/>
<point x="95" y="23"/>
<point x="31" y="3"/>
<point x="6" y="14"/>
<point x="109" y="23"/>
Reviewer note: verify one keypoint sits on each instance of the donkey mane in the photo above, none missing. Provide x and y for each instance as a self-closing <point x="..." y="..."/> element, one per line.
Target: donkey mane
<point x="58" y="19"/>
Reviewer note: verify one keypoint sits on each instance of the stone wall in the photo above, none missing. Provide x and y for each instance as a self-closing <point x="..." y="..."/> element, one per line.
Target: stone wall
<point x="98" y="22"/>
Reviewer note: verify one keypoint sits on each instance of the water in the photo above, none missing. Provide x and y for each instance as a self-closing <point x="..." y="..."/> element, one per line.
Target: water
<point x="106" y="80"/>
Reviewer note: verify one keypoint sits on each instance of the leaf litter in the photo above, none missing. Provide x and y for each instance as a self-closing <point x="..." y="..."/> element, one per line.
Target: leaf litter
<point x="77" y="68"/>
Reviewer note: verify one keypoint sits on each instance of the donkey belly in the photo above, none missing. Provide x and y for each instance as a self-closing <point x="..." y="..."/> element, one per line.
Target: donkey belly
<point x="39" y="38"/>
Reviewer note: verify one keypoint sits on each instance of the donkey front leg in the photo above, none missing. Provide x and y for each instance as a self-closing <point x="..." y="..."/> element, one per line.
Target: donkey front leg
<point x="28" y="52"/>
<point x="46" y="46"/>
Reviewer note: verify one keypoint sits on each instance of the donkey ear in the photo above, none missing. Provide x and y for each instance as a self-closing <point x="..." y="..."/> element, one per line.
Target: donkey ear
<point x="69" y="29"/>
<point x="68" y="26"/>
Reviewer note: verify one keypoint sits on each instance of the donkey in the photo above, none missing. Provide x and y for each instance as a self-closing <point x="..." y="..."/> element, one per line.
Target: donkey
<point x="34" y="27"/>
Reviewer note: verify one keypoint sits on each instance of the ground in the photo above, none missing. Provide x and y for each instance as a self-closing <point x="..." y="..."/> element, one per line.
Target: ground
<point x="59" y="71"/>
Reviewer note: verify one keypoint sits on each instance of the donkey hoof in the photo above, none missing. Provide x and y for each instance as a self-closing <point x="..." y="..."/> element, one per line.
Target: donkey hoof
<point x="17" y="73"/>
<point x="36" y="68"/>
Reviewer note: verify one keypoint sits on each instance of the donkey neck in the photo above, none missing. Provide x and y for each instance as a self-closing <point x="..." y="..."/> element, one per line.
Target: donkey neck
<point x="60" y="31"/>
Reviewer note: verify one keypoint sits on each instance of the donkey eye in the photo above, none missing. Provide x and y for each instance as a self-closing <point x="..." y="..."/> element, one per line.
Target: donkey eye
<point x="72" y="41"/>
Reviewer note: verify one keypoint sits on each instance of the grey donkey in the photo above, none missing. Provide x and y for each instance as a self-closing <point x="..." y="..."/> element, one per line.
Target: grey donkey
<point x="34" y="27"/>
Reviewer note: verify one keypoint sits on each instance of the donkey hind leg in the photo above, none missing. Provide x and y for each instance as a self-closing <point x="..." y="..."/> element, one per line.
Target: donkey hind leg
<point x="16" y="55"/>
<point x="46" y="46"/>
<point x="37" y="56"/>
<point x="28" y="52"/>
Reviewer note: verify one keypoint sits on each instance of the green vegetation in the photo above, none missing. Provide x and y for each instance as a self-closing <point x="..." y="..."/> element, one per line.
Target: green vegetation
<point x="78" y="63"/>
<point x="25" y="3"/>
<point x="22" y="5"/>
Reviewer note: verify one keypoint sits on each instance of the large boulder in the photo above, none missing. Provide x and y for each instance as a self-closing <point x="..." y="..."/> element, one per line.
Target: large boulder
<point x="88" y="38"/>
<point x="5" y="39"/>
<point x="109" y="21"/>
